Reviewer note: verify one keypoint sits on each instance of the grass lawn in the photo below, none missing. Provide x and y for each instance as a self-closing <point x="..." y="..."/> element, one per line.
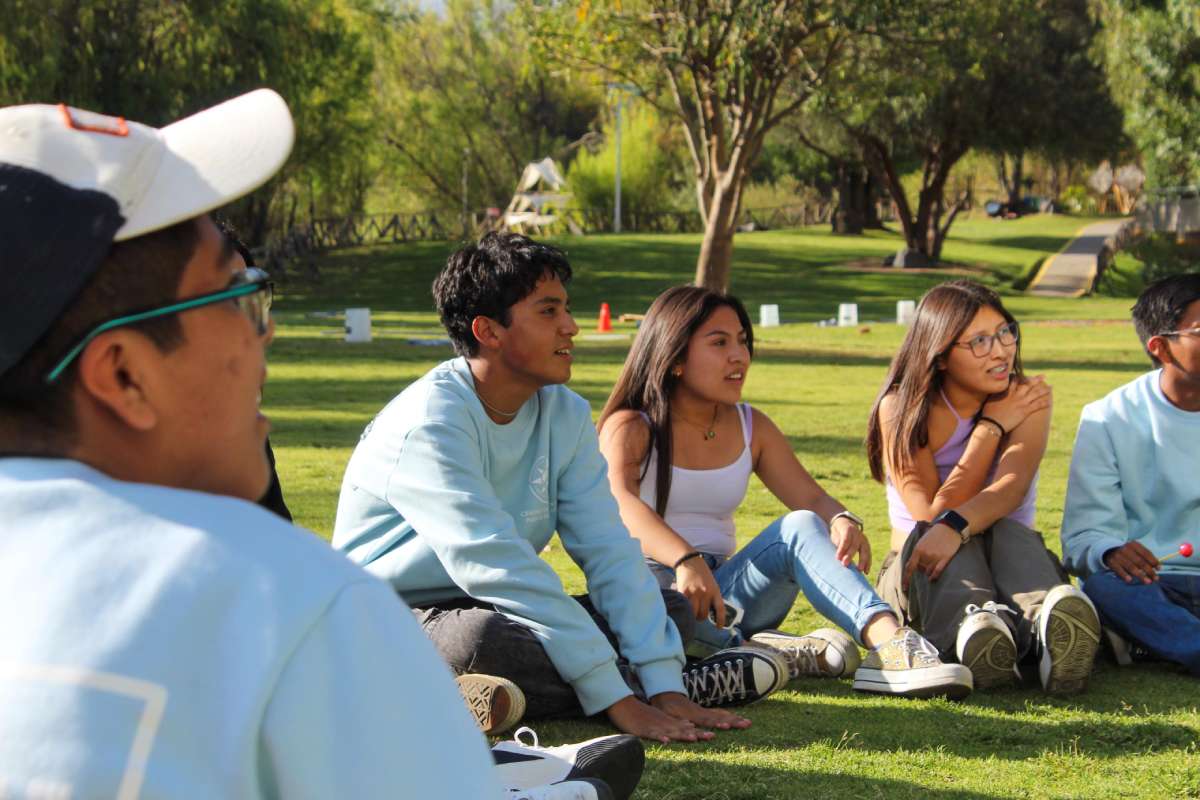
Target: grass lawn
<point x="1133" y="733"/>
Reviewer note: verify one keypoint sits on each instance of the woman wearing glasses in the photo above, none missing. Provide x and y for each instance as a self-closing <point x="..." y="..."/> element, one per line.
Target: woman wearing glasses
<point x="956" y="434"/>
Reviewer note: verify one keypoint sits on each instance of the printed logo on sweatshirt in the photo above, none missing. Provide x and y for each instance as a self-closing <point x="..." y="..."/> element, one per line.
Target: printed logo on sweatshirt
<point x="539" y="479"/>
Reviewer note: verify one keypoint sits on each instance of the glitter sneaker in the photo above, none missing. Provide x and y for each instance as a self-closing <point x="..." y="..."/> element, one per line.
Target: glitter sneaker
<point x="824" y="653"/>
<point x="907" y="665"/>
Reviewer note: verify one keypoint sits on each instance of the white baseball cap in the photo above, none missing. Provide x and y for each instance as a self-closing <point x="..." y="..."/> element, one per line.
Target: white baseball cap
<point x="158" y="176"/>
<point x="72" y="182"/>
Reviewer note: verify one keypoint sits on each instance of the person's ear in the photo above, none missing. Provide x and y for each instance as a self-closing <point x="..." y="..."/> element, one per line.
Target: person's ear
<point x="1158" y="347"/>
<point x="487" y="332"/>
<point x="116" y="373"/>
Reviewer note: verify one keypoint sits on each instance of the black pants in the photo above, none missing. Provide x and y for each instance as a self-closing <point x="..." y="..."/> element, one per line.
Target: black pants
<point x="473" y="637"/>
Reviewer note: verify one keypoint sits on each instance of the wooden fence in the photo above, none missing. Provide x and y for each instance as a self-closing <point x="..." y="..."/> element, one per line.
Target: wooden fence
<point x="296" y="248"/>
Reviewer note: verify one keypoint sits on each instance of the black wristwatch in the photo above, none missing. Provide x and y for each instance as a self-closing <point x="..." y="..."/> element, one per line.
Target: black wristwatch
<point x="955" y="520"/>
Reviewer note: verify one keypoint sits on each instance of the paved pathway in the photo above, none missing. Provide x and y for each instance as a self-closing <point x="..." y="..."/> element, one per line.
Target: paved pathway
<point x="1071" y="271"/>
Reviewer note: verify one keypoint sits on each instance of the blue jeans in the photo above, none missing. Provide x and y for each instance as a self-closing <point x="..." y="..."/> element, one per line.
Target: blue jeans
<point x="792" y="554"/>
<point x="1163" y="616"/>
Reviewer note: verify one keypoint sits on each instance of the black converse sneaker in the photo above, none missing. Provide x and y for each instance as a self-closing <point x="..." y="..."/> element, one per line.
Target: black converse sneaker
<point x="616" y="760"/>
<point x="735" y="676"/>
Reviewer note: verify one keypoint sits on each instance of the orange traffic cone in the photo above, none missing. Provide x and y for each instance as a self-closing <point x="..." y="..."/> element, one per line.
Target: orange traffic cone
<point x="605" y="323"/>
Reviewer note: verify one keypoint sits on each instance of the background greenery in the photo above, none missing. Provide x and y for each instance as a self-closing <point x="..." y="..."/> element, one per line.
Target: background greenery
<point x="1133" y="733"/>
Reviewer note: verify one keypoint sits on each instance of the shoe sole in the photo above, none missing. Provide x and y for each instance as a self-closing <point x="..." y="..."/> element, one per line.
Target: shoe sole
<point x="952" y="681"/>
<point x="991" y="656"/>
<point x="1071" y="635"/>
<point x="497" y="704"/>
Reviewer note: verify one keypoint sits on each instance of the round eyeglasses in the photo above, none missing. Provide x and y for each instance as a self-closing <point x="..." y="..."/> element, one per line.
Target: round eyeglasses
<point x="981" y="345"/>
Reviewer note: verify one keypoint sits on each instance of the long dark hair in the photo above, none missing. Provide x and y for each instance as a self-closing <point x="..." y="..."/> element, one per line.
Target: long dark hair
<point x="943" y="314"/>
<point x="646" y="380"/>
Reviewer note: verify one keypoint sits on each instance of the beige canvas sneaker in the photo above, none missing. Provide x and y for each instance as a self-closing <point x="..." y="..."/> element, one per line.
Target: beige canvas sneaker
<point x="907" y="665"/>
<point x="496" y="703"/>
<point x="824" y="653"/>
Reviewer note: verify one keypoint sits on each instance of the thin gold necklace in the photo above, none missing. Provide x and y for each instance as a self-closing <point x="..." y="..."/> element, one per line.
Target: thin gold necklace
<point x="710" y="432"/>
<point x="489" y="406"/>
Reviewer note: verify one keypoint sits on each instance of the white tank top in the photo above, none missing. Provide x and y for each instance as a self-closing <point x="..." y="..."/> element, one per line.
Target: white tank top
<point x="702" y="501"/>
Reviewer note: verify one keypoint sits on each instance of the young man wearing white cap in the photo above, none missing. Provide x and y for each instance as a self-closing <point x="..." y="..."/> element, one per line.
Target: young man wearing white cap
<point x="162" y="637"/>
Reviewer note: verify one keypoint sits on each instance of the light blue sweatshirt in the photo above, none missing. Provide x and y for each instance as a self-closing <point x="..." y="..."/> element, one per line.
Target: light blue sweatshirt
<point x="160" y="643"/>
<point x="444" y="503"/>
<point x="1134" y="476"/>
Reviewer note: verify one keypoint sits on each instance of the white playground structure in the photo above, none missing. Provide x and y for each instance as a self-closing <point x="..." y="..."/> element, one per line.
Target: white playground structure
<point x="539" y="190"/>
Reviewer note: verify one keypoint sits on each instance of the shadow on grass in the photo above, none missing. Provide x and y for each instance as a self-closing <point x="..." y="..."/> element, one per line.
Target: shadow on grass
<point x="678" y="781"/>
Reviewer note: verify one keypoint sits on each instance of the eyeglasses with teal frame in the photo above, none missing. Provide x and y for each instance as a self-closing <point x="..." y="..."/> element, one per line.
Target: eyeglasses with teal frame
<point x="251" y="289"/>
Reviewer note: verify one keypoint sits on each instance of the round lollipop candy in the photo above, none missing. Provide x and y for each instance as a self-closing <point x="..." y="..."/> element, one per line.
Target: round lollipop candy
<point x="1184" y="550"/>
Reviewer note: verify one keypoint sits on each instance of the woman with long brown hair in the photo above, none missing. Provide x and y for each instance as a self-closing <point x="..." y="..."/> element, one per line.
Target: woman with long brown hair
<point x="956" y="434"/>
<point x="681" y="448"/>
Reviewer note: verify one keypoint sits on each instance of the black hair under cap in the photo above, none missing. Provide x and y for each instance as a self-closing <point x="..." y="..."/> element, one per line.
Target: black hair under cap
<point x="53" y="238"/>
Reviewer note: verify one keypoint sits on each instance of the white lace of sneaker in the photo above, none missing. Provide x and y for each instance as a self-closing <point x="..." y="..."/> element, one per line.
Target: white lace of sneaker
<point x="805" y="656"/>
<point x="917" y="650"/>
<point x="717" y="684"/>
<point x="990" y="605"/>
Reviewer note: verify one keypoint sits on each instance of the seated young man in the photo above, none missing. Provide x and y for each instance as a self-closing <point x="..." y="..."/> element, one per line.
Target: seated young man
<point x="162" y="636"/>
<point x="460" y="481"/>
<point x="1133" y="496"/>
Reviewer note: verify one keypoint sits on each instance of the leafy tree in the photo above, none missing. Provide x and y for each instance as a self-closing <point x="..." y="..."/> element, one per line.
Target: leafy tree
<point x="155" y="62"/>
<point x="1058" y="106"/>
<point x="1151" y="53"/>
<point x="461" y="87"/>
<point x="940" y="79"/>
<point x="729" y="71"/>
<point x="650" y="168"/>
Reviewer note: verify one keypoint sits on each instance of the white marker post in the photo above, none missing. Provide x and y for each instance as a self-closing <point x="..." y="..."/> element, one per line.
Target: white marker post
<point x="358" y="324"/>
<point x="768" y="316"/>
<point x="847" y="315"/>
<point x="905" y="311"/>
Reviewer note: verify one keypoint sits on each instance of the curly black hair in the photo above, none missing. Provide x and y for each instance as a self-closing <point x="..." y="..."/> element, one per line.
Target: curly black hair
<point x="488" y="278"/>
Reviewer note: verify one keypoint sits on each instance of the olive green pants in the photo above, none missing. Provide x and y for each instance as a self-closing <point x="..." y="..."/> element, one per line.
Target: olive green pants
<point x="1007" y="564"/>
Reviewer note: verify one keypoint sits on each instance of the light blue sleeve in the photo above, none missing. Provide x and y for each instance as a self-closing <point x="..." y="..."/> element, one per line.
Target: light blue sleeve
<point x="1094" y="519"/>
<point x="619" y="583"/>
<point x="364" y="708"/>
<point x="439" y="487"/>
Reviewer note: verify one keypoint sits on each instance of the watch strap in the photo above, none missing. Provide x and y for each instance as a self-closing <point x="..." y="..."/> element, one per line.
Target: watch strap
<point x="955" y="521"/>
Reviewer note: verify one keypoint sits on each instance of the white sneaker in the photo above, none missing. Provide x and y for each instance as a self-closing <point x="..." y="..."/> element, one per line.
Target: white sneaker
<point x="735" y="676"/>
<point x="581" y="789"/>
<point x="1068" y="630"/>
<point x="825" y="652"/>
<point x="985" y="646"/>
<point x="617" y="760"/>
<point x="907" y="665"/>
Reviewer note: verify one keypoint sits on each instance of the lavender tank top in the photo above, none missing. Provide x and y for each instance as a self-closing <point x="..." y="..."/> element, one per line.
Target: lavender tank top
<point x="702" y="501"/>
<point x="946" y="458"/>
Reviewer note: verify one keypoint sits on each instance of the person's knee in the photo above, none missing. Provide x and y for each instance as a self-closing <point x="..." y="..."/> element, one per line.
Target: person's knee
<point x="461" y="636"/>
<point x="798" y="527"/>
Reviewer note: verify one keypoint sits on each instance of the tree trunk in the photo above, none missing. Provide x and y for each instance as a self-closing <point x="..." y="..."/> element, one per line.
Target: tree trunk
<point x="716" y="250"/>
<point x="1014" y="190"/>
<point x="849" y="217"/>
